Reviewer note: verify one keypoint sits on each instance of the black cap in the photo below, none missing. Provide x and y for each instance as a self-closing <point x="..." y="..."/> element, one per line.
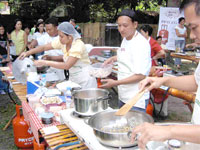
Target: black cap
<point x="128" y="12"/>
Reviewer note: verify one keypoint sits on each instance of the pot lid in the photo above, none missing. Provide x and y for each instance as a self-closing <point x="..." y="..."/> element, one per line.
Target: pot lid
<point x="19" y="69"/>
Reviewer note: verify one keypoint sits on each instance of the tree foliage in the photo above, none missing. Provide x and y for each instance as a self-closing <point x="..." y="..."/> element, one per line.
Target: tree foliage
<point x="82" y="10"/>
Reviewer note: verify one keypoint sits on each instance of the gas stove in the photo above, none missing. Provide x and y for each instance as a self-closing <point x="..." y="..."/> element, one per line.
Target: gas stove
<point x="78" y="124"/>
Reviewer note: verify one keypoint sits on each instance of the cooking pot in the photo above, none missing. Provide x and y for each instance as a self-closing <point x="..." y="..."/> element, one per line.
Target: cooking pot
<point x="89" y="101"/>
<point x="42" y="69"/>
<point x="115" y="131"/>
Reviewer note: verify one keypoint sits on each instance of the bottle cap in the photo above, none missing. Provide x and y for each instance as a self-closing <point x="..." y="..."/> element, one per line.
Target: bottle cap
<point x="69" y="88"/>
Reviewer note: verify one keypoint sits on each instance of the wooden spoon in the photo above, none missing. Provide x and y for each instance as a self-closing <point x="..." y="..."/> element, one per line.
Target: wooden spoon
<point x="124" y="109"/>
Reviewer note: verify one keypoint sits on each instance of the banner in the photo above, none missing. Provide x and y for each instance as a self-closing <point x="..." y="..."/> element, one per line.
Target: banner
<point x="168" y="20"/>
<point x="4" y="8"/>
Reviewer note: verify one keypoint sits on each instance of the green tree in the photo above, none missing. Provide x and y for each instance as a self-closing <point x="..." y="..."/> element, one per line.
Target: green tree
<point x="82" y="10"/>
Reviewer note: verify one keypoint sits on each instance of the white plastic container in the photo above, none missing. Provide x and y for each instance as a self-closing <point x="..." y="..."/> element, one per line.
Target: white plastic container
<point x="99" y="70"/>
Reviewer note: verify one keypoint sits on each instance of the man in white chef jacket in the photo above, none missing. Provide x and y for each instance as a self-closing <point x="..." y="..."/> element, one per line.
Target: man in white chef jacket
<point x="190" y="83"/>
<point x="133" y="59"/>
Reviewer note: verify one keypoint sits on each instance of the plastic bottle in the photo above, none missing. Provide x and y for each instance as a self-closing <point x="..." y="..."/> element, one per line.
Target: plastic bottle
<point x="68" y="96"/>
<point x="43" y="80"/>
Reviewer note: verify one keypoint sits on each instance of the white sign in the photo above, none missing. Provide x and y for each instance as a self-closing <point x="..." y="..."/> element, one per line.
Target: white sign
<point x="168" y="20"/>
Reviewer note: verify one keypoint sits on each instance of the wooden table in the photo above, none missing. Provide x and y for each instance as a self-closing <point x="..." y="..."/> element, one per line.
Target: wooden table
<point x="19" y="89"/>
<point x="187" y="57"/>
<point x="65" y="135"/>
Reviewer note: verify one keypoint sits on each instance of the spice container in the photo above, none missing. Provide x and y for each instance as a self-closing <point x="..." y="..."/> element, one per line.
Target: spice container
<point x="47" y="117"/>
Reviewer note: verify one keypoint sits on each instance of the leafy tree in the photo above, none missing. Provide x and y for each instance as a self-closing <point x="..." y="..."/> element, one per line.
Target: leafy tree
<point x="82" y="10"/>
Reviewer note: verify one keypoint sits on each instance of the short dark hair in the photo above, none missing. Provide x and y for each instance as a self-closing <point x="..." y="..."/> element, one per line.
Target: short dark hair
<point x="52" y="20"/>
<point x="129" y="13"/>
<point x="158" y="37"/>
<point x="73" y="20"/>
<point x="147" y="28"/>
<point x="186" y="3"/>
<point x="180" y="19"/>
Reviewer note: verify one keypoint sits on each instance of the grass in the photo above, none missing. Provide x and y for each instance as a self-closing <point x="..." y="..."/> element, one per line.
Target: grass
<point x="7" y="109"/>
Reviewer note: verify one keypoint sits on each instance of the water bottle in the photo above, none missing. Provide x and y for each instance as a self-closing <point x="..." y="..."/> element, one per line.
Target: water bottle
<point x="43" y="80"/>
<point x="68" y="96"/>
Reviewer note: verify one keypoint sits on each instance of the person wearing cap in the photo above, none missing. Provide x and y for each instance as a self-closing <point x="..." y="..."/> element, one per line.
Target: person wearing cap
<point x="190" y="83"/>
<point x="75" y="58"/>
<point x="133" y="59"/>
<point x="77" y="27"/>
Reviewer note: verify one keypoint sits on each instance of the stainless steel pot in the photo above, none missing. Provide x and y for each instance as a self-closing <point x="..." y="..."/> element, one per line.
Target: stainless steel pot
<point x="87" y="102"/>
<point x="115" y="131"/>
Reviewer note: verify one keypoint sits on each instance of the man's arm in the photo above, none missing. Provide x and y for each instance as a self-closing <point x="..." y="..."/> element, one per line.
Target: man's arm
<point x="132" y="79"/>
<point x="150" y="132"/>
<point x="160" y="54"/>
<point x="185" y="83"/>
<point x="38" y="49"/>
<point x="33" y="44"/>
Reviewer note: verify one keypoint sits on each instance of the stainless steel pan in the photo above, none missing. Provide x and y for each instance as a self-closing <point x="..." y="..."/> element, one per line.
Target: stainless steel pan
<point x="115" y="131"/>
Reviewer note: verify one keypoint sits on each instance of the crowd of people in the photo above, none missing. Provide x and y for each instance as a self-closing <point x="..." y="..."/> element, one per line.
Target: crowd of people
<point x="60" y="46"/>
<point x="21" y="38"/>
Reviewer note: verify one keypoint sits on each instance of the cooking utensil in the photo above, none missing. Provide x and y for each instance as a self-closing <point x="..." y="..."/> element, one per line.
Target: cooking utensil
<point x="42" y="69"/>
<point x="124" y="109"/>
<point x="87" y="102"/>
<point x="112" y="130"/>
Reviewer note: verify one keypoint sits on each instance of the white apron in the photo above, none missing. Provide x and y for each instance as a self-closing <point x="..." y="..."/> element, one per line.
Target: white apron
<point x="127" y="91"/>
<point x="79" y="73"/>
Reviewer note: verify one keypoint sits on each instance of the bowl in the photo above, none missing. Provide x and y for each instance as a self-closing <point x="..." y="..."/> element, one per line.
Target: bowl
<point x="99" y="70"/>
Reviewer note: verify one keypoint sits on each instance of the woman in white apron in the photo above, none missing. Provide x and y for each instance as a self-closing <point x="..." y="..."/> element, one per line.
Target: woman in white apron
<point x="75" y="58"/>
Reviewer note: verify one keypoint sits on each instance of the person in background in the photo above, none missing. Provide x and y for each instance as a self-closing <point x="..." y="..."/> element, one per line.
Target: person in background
<point x="75" y="58"/>
<point x="27" y="30"/>
<point x="4" y="46"/>
<point x="159" y="40"/>
<point x="163" y="46"/>
<point x="188" y="133"/>
<point x="156" y="50"/>
<point x="181" y="34"/>
<point x="39" y="32"/>
<point x="4" y="56"/>
<point x="19" y="38"/>
<point x="78" y="29"/>
<point x="133" y="59"/>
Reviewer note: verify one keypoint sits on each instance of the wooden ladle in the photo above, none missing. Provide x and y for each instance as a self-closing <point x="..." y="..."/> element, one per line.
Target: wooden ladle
<point x="124" y="109"/>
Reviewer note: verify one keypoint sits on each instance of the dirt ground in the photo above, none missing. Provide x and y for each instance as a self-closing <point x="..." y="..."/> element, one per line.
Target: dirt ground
<point x="177" y="112"/>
